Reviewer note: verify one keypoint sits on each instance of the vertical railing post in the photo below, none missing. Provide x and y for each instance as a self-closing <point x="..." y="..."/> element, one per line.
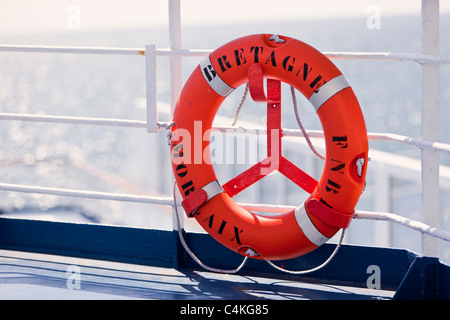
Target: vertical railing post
<point x="430" y="124"/>
<point x="174" y="44"/>
<point x="175" y="89"/>
<point x="150" y="86"/>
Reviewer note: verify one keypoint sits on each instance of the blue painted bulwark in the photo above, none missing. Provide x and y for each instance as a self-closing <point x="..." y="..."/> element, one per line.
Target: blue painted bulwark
<point x="413" y="277"/>
<point x="348" y="266"/>
<point x="120" y="244"/>
<point x="426" y="279"/>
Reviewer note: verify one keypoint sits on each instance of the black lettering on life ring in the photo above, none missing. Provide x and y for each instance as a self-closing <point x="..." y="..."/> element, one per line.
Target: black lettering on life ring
<point x="332" y="186"/>
<point x="257" y="51"/>
<point x="239" y="55"/>
<point x="317" y="83"/>
<point x="222" y="226"/>
<point x="340" y="141"/>
<point x="181" y="170"/>
<point x="188" y="187"/>
<point x="306" y="70"/>
<point x="289" y="67"/>
<point x="224" y="63"/>
<point x="209" y="72"/>
<point x="237" y="231"/>
<point x="272" y="60"/>
<point x="325" y="203"/>
<point x="210" y="220"/>
<point x="339" y="167"/>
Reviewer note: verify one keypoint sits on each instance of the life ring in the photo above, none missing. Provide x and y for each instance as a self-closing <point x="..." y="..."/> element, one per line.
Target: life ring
<point x="332" y="199"/>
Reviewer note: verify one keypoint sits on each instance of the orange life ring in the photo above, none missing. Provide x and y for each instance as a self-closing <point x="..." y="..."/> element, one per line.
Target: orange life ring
<point x="333" y="198"/>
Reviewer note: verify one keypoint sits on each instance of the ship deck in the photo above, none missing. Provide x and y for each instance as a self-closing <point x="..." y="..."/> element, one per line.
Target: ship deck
<point x="57" y="260"/>
<point x="33" y="276"/>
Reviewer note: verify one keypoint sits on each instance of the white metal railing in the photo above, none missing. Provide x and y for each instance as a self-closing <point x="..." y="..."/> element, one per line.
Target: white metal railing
<point x="167" y="52"/>
<point x="429" y="59"/>
<point x="388" y="137"/>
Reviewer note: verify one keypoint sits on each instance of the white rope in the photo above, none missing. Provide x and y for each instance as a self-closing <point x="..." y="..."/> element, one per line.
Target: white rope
<point x="415" y="225"/>
<point x="277" y="39"/>
<point x="199" y="262"/>
<point x="294" y="100"/>
<point x="238" y="110"/>
<point x="305" y="134"/>
<point x="301" y="272"/>
<point x="188" y="250"/>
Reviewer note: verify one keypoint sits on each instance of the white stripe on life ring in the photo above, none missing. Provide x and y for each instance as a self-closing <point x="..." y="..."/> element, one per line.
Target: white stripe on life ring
<point x="212" y="189"/>
<point x="213" y="78"/>
<point x="308" y="228"/>
<point x="329" y="89"/>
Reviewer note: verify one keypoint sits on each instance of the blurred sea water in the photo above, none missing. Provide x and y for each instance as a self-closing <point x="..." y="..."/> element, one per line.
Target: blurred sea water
<point x="109" y="86"/>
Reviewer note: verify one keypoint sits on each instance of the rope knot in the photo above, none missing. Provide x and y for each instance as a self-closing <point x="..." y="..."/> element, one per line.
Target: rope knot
<point x="277" y="39"/>
<point x="359" y="166"/>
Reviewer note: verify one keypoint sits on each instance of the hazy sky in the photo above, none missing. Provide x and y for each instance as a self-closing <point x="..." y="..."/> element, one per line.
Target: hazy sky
<point x="34" y="16"/>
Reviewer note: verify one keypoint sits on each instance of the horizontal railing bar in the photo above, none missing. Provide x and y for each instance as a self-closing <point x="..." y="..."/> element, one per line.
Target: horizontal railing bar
<point x="422" y="144"/>
<point x="224" y="129"/>
<point x="86" y="194"/>
<point x="122" y="197"/>
<point x="183" y="52"/>
<point x="389" y="56"/>
<point x="63" y="49"/>
<point x="416" y="225"/>
<point x="73" y="120"/>
<point x="101" y="50"/>
<point x="363" y="215"/>
<point x="368" y="215"/>
<point x="80" y="120"/>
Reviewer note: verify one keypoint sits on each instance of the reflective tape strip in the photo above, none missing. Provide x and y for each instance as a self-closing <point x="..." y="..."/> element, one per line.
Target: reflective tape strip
<point x="200" y="196"/>
<point x="329" y="89"/>
<point x="213" y="189"/>
<point x="308" y="228"/>
<point x="213" y="79"/>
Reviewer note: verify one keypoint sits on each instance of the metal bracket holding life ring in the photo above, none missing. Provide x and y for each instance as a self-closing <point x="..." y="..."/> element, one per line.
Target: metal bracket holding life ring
<point x="331" y="204"/>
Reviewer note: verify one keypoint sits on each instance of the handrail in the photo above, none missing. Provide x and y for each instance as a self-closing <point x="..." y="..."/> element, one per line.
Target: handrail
<point x="101" y="50"/>
<point x="415" y="225"/>
<point x="87" y="194"/>
<point x="387" y="56"/>
<point x="169" y="201"/>
<point x="422" y="144"/>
